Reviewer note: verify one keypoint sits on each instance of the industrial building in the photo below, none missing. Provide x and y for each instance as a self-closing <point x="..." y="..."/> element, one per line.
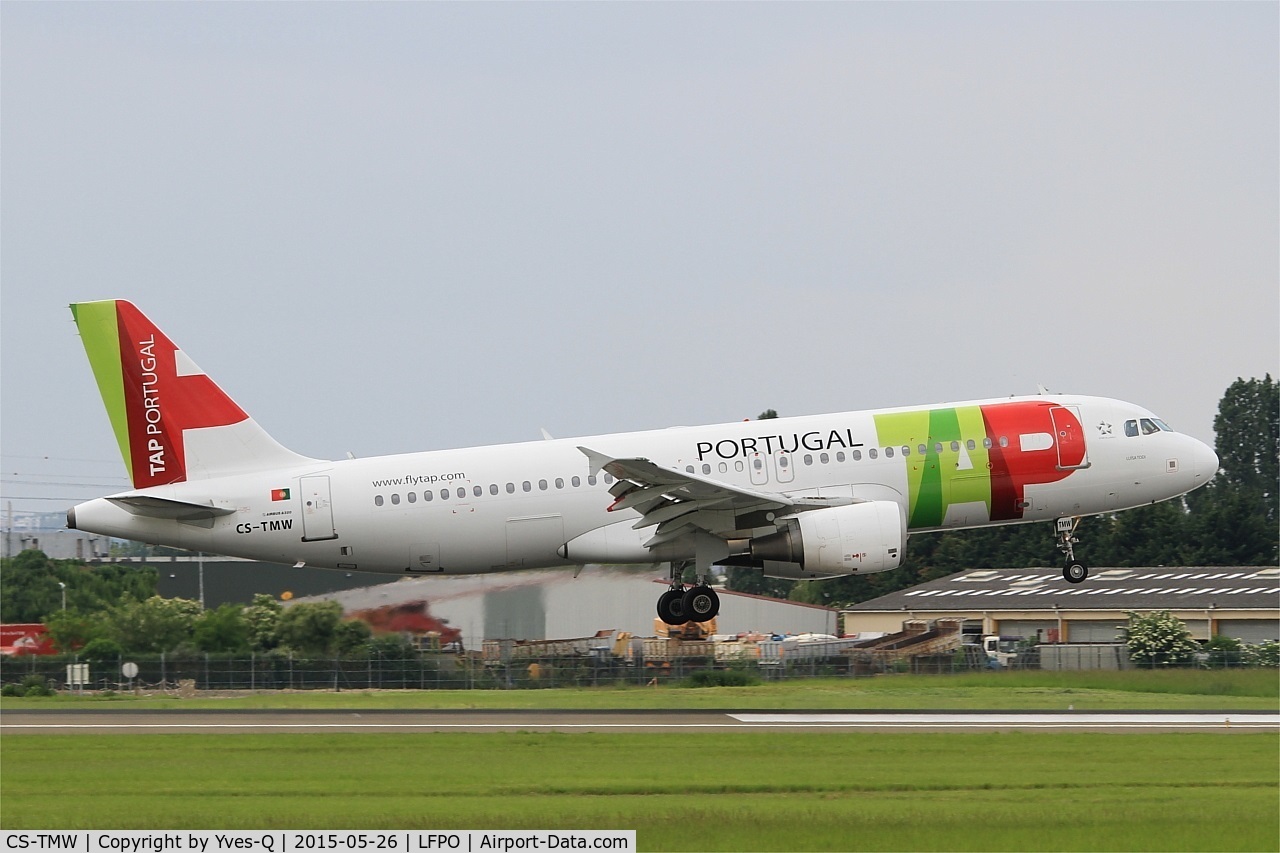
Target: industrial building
<point x="57" y="543"/>
<point x="1242" y="602"/>
<point x="562" y="603"/>
<point x="528" y="605"/>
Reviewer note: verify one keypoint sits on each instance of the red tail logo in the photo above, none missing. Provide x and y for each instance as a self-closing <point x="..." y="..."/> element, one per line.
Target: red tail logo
<point x="165" y="395"/>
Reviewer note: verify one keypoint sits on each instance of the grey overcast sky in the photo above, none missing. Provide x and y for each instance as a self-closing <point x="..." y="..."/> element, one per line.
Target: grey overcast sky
<point x="407" y="226"/>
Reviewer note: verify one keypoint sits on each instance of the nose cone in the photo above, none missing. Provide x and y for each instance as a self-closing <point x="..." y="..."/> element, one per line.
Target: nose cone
<point x="1204" y="462"/>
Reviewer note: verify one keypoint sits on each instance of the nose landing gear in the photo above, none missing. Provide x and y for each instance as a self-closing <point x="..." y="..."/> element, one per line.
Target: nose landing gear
<point x="1074" y="571"/>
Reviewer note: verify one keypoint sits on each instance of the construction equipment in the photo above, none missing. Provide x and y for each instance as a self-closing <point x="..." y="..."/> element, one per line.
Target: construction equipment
<point x="687" y="631"/>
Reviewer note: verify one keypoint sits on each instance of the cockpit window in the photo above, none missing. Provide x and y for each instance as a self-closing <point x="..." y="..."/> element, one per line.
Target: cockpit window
<point x="1145" y="426"/>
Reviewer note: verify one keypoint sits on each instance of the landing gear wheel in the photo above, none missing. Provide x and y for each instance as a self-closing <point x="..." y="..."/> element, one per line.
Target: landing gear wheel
<point x="1075" y="572"/>
<point x="671" y="607"/>
<point x="700" y="604"/>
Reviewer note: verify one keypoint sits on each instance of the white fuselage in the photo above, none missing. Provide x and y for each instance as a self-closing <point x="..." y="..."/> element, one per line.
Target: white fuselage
<point x="515" y="506"/>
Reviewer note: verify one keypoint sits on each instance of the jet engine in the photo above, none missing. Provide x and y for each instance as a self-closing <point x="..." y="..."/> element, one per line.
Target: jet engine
<point x="843" y="540"/>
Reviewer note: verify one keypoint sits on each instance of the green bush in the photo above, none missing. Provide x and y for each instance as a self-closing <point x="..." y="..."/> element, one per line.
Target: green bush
<point x="101" y="650"/>
<point x="1159" y="639"/>
<point x="1266" y="653"/>
<point x="35" y="685"/>
<point x="720" y="678"/>
<point x="1224" y="651"/>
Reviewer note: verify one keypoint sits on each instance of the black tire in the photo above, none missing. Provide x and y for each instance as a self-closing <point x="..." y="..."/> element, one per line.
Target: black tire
<point x="671" y="607"/>
<point x="701" y="604"/>
<point x="1075" y="572"/>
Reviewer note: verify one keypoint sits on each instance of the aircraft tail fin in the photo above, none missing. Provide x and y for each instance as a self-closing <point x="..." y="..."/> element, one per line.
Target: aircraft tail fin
<point x="172" y="422"/>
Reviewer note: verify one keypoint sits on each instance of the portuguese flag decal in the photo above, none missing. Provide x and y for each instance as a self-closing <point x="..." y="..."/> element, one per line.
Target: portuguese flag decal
<point x="279" y="494"/>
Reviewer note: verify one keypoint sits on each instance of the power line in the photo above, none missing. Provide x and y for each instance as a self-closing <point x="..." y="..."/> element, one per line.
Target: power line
<point x="111" y="485"/>
<point x="60" y="459"/>
<point x="35" y="498"/>
<point x="58" y="476"/>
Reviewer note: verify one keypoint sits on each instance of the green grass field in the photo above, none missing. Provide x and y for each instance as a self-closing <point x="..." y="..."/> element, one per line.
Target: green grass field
<point x="751" y="791"/>
<point x="700" y="791"/>
<point x="1172" y="690"/>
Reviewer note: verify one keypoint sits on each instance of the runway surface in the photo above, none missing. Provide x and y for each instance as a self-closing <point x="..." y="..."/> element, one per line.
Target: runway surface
<point x="118" y="721"/>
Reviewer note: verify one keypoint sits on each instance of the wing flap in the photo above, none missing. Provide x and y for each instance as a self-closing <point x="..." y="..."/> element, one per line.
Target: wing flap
<point x="666" y="513"/>
<point x="636" y="497"/>
<point x="679" y="503"/>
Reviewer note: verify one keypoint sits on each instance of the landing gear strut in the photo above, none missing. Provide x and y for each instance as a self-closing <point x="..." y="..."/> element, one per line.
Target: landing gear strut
<point x="1074" y="571"/>
<point x="698" y="603"/>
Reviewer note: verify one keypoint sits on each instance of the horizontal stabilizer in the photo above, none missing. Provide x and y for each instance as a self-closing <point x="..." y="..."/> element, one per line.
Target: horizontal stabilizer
<point x="154" y="507"/>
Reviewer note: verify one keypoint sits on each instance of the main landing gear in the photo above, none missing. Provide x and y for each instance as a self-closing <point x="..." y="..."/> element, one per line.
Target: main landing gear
<point x="698" y="603"/>
<point x="1074" y="571"/>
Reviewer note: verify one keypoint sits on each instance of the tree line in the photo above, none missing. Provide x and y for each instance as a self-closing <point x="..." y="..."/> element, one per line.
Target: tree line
<point x="112" y="609"/>
<point x="180" y="625"/>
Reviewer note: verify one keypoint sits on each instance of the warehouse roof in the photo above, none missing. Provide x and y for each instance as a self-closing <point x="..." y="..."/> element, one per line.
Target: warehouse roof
<point x="1240" y="588"/>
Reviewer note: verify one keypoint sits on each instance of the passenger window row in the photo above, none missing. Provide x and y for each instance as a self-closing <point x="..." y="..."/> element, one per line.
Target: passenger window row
<point x="784" y="461"/>
<point x="825" y="458"/>
<point x="478" y="491"/>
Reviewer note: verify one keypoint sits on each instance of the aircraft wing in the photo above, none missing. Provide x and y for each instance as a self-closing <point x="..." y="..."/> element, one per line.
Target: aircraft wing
<point x="678" y="503"/>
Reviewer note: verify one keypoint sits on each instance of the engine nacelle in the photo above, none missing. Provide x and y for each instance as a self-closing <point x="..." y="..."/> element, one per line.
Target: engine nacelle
<point x="843" y="540"/>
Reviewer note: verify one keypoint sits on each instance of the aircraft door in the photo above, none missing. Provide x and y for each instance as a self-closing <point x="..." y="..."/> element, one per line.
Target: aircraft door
<point x="1068" y="435"/>
<point x="317" y="509"/>
<point x="783" y="463"/>
<point x="758" y="464"/>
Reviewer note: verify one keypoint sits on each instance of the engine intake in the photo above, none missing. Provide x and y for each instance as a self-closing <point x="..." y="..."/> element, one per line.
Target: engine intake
<point x="843" y="540"/>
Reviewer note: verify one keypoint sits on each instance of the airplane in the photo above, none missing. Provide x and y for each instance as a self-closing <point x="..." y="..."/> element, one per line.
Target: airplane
<point x="810" y="497"/>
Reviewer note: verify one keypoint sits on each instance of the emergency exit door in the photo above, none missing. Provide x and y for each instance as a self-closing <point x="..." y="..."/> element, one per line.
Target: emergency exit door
<point x="317" y="510"/>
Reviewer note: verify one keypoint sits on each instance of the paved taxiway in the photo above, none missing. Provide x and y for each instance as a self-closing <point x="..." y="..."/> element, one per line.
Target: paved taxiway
<point x="123" y="720"/>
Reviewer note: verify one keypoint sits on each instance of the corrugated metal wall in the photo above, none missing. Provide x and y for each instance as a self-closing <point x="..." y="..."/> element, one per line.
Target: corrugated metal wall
<point x="553" y="604"/>
<point x="1250" y="630"/>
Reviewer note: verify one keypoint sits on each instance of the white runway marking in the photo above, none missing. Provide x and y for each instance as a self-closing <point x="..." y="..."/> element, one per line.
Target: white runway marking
<point x="638" y="721"/>
<point x="1029" y="720"/>
<point x="358" y="724"/>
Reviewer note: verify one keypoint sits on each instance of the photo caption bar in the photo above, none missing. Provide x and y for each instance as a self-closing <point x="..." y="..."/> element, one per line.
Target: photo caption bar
<point x="297" y="841"/>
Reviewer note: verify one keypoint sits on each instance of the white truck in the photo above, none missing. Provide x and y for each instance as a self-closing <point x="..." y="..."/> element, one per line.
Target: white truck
<point x="1001" y="651"/>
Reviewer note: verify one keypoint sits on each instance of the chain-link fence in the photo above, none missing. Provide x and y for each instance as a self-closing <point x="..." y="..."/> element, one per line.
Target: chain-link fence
<point x="509" y="669"/>
<point x="425" y="671"/>
<point x="254" y="672"/>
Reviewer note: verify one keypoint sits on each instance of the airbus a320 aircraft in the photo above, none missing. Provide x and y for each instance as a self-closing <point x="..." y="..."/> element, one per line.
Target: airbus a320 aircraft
<point x="804" y="497"/>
